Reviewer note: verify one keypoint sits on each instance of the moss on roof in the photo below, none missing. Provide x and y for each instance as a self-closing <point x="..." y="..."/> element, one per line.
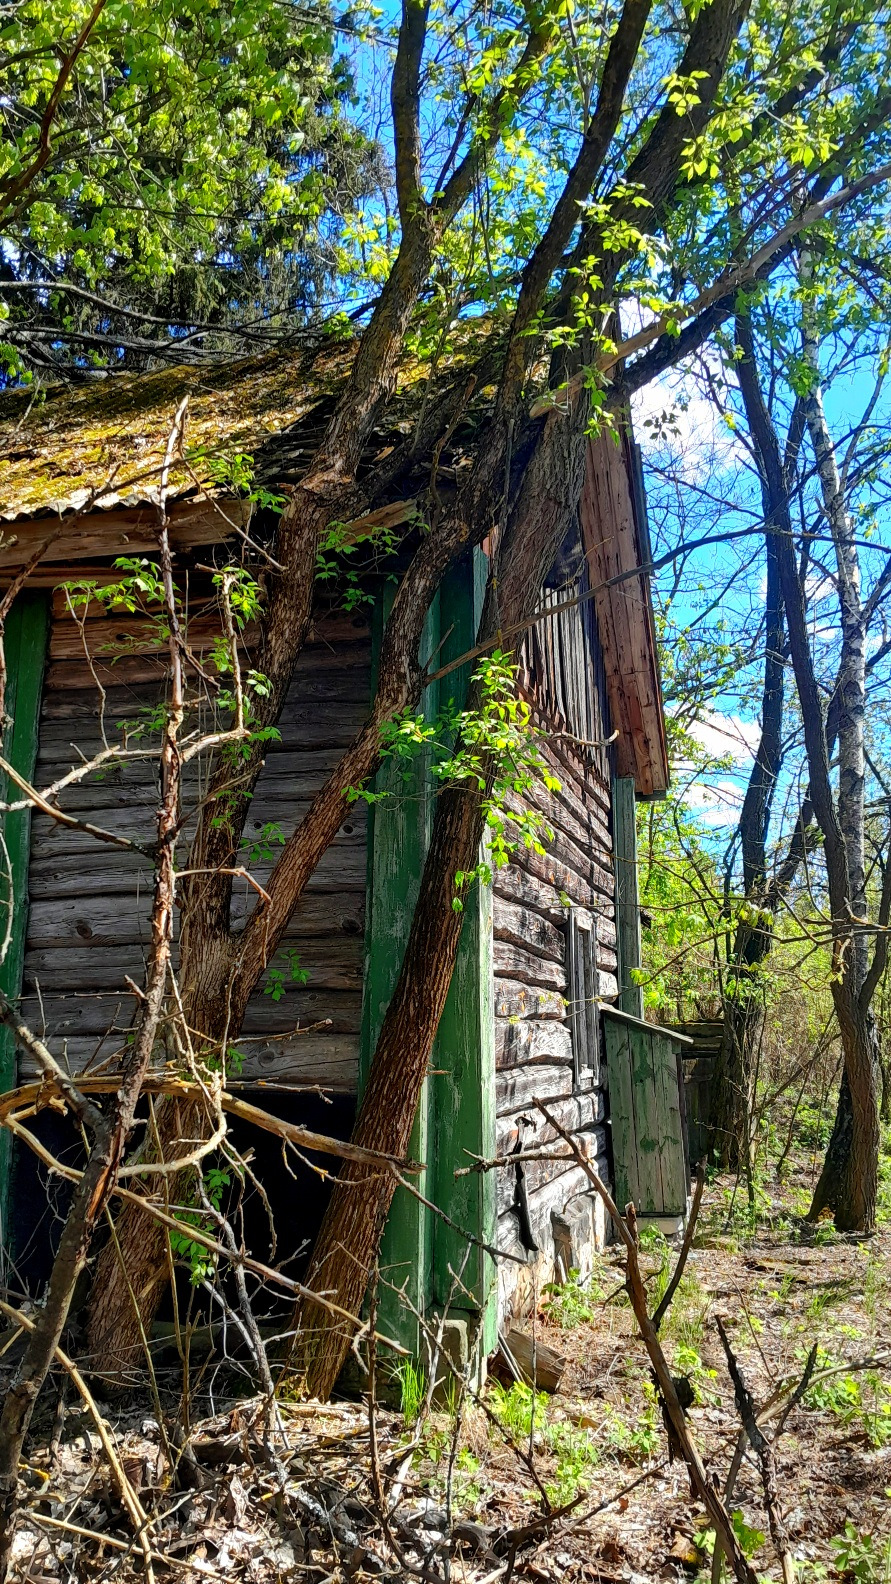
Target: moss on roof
<point x="58" y="446"/>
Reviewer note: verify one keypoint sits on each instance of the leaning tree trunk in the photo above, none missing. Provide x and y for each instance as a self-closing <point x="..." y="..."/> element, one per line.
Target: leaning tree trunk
<point x="133" y="1267"/>
<point x="221" y="971"/>
<point x="354" y="1220"/>
<point x="351" y="1230"/>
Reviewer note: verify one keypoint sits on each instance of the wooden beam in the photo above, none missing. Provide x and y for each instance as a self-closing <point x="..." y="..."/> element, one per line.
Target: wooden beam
<point x="464" y="1054"/>
<point x="25" y="651"/>
<point x="615" y="542"/>
<point x="398" y="834"/>
<point x="103" y="535"/>
<point x="627" y="905"/>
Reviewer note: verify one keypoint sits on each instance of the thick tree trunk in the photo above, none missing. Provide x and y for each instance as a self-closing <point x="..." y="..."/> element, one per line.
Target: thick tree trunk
<point x="847" y="1182"/>
<point x="735" y="1079"/>
<point x="133" y="1267"/>
<point x="351" y="1231"/>
<point x="733" y="1090"/>
<point x="850" y="1191"/>
<point x="354" y="1220"/>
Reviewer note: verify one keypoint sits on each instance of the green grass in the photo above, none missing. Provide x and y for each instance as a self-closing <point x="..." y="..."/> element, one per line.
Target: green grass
<point x="574" y="1302"/>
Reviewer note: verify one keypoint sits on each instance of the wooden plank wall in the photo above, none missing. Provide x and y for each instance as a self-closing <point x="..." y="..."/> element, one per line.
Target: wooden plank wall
<point x="562" y="673"/>
<point x="89" y="903"/>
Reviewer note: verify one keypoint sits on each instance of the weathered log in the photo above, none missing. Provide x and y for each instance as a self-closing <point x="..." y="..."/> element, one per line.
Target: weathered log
<point x="539" y="1365"/>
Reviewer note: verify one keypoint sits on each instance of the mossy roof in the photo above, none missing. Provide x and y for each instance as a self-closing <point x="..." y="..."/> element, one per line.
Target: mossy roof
<point x="60" y="445"/>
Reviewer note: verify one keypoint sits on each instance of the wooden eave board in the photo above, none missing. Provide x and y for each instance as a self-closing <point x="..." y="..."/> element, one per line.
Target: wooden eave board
<point x="612" y="544"/>
<point x="81" y="546"/>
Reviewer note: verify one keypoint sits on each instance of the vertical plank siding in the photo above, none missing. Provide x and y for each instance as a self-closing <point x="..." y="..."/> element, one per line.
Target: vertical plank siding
<point x="646" y="1114"/>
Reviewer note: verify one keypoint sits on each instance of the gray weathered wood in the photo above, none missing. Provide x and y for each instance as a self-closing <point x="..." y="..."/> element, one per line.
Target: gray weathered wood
<point x="539" y="1365"/>
<point x="101" y="921"/>
<point x="529" y="1041"/>
<point x="328" y="1061"/>
<point x="519" y="1000"/>
<point x="512" y="962"/>
<point x="627" y="906"/>
<point x="517" y="1087"/>
<point x="528" y="930"/>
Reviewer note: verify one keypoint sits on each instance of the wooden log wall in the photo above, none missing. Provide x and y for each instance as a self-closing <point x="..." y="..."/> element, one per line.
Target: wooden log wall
<point x="562" y="674"/>
<point x="87" y="927"/>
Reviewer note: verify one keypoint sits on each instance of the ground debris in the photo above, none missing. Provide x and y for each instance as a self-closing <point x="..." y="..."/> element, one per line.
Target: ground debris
<point x="574" y="1488"/>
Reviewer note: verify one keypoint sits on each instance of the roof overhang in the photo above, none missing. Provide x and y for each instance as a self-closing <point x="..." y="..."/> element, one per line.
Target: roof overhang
<point x="85" y="546"/>
<point x="616" y="541"/>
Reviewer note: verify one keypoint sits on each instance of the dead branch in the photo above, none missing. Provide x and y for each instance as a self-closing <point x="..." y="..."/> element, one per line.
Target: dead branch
<point x="128" y="1496"/>
<point x="703" y="1486"/>
<point x="662" y="1308"/>
<point x="36" y="798"/>
<point x="31" y="1097"/>
<point x="764" y="1453"/>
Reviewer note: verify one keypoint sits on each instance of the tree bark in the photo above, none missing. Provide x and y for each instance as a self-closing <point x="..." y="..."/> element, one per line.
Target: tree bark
<point x="744" y="1004"/>
<point x="849" y="1181"/>
<point x="353" y="1223"/>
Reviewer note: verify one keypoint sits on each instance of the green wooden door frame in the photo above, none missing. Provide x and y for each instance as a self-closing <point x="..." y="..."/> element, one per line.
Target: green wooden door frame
<point x="464" y="1276"/>
<point x="456" y="1113"/>
<point x="24" y="644"/>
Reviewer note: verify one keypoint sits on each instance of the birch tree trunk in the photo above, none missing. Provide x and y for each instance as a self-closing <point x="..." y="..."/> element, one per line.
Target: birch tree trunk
<point x="855" y="1134"/>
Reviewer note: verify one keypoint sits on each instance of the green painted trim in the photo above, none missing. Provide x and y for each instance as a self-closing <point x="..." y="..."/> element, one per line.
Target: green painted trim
<point x="25" y="640"/>
<point x="464" y="1057"/>
<point x="399" y="832"/>
<point x="456" y="1116"/>
<point x="628" y="944"/>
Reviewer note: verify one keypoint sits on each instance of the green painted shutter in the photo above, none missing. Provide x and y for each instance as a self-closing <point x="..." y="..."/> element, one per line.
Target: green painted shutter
<point x="627" y="904"/>
<point x="25" y="651"/>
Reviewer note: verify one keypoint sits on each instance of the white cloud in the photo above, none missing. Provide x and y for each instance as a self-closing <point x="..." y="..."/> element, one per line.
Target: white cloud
<point x="715" y="802"/>
<point x="721" y="734"/>
<point x="674" y="411"/>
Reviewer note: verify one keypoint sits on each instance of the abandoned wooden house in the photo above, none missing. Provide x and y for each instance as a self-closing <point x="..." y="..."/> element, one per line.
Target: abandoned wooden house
<point x="544" y="1004"/>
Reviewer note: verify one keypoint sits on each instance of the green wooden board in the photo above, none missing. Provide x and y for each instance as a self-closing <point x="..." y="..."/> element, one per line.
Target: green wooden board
<point x="399" y="831"/>
<point x="456" y="1113"/>
<point x="464" y="1056"/>
<point x="25" y="650"/>
<point x="649" y="1157"/>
